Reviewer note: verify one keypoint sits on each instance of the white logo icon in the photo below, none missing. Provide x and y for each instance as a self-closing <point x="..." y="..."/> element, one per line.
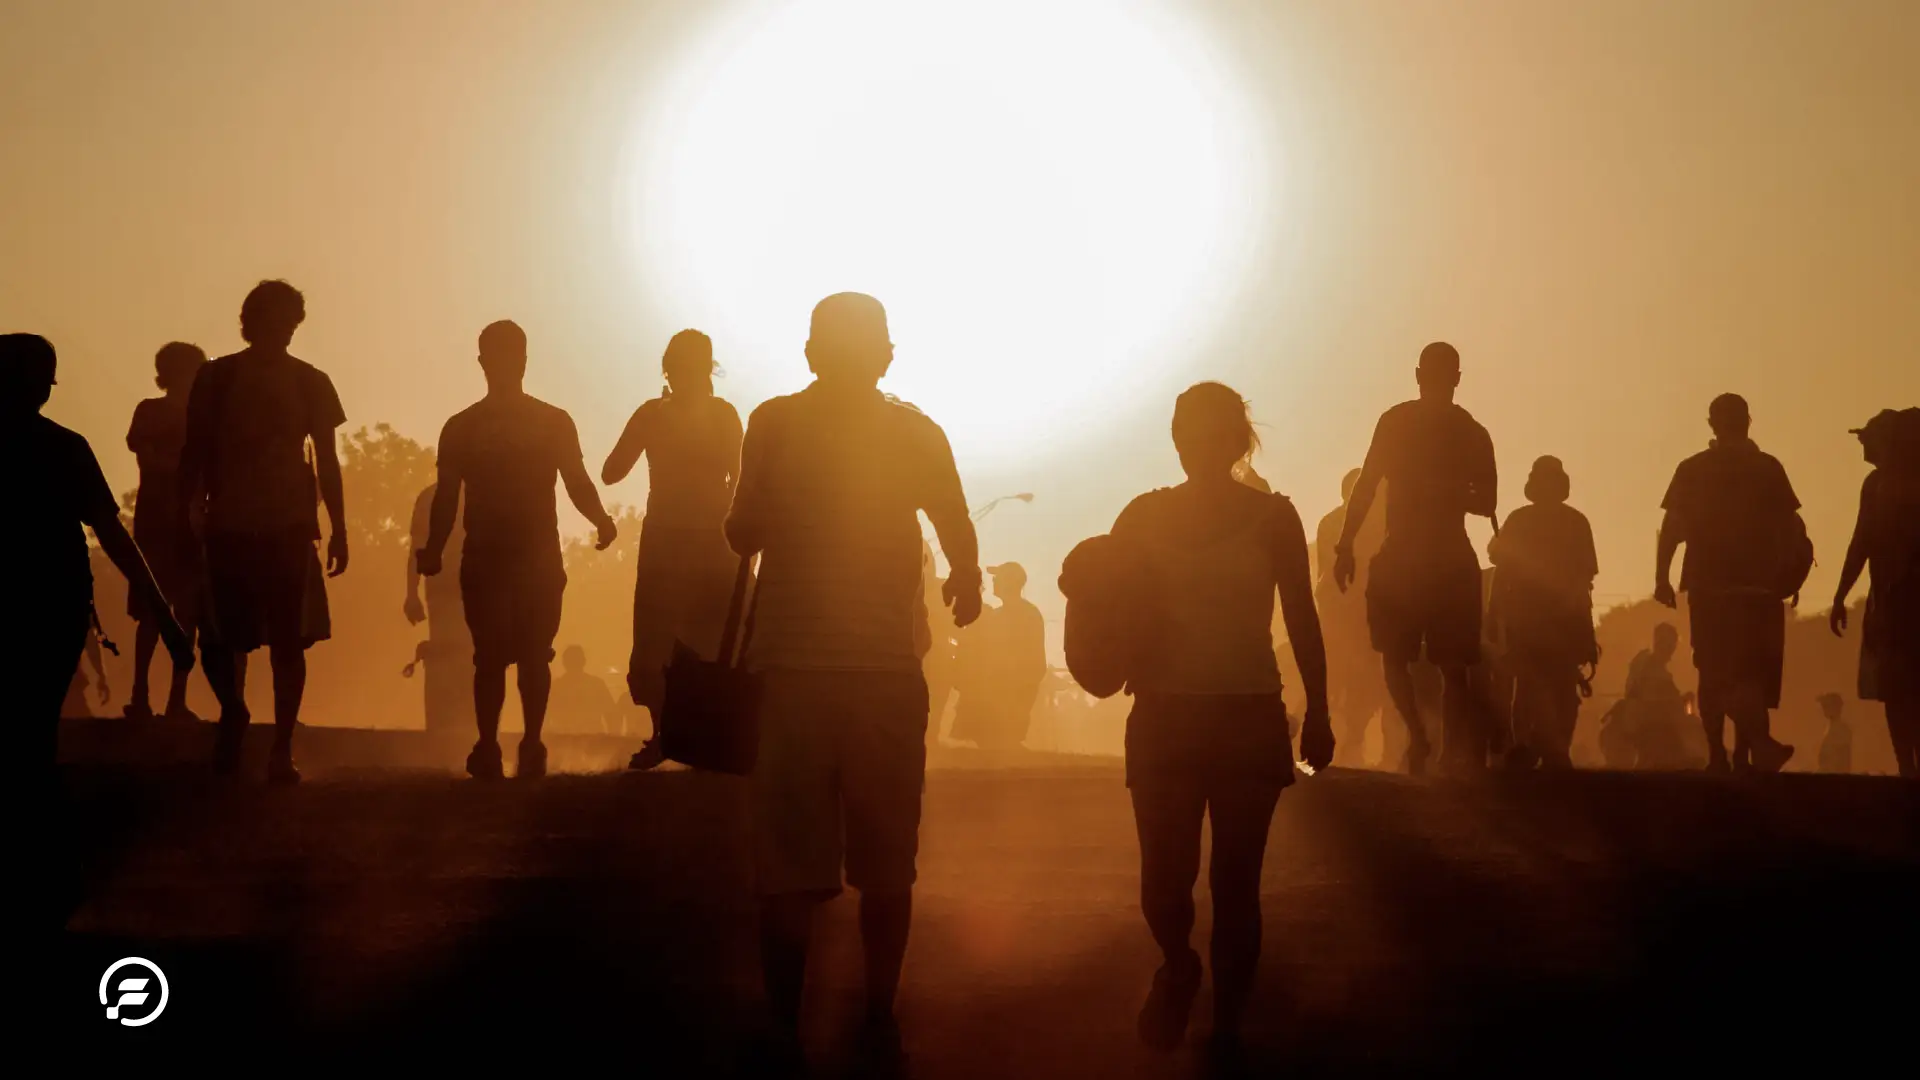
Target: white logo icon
<point x="133" y="992"/>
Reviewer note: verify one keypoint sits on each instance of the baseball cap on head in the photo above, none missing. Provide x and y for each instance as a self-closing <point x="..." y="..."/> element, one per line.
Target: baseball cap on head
<point x="1012" y="571"/>
<point x="1884" y="420"/>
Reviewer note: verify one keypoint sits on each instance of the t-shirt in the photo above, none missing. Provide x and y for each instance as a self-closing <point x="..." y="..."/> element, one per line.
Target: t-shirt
<point x="1215" y="567"/>
<point x="1438" y="460"/>
<point x="833" y="481"/>
<point x="507" y="450"/>
<point x="1545" y="550"/>
<point x="51" y="486"/>
<point x="248" y="423"/>
<point x="158" y="431"/>
<point x="693" y="450"/>
<point x="1732" y="504"/>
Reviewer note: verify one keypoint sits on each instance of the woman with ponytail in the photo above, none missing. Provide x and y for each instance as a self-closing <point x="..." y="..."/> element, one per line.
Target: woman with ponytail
<point x="691" y="440"/>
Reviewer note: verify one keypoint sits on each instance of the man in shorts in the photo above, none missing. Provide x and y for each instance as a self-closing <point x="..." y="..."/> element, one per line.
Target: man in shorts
<point x="259" y="424"/>
<point x="1733" y="507"/>
<point x="505" y="451"/>
<point x="832" y="480"/>
<point x="1424" y="587"/>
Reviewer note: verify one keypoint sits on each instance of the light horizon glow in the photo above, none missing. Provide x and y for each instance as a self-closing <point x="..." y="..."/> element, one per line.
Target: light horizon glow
<point x="1050" y="198"/>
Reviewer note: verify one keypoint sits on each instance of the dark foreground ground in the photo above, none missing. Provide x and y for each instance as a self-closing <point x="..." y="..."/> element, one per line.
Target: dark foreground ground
<point x="1534" y="924"/>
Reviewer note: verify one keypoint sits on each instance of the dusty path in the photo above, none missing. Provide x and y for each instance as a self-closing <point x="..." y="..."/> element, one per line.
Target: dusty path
<point x="1517" y="924"/>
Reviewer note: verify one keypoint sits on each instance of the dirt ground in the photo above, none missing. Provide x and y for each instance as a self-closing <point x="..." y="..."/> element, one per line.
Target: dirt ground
<point x="1537" y="923"/>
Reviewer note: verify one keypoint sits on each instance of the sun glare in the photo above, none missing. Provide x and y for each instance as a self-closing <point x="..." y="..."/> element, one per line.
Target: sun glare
<point x="1051" y="198"/>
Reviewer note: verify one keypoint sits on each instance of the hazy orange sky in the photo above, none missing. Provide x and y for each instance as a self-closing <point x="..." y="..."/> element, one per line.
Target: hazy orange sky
<point x="1614" y="209"/>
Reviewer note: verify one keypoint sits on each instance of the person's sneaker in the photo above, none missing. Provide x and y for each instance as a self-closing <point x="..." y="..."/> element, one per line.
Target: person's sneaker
<point x="879" y="1053"/>
<point x="137" y="710"/>
<point x="228" y="742"/>
<point x="483" y="763"/>
<point x="1226" y="1055"/>
<point x="1718" y="763"/>
<point x="649" y="756"/>
<point x="1770" y="759"/>
<point x="1521" y="758"/>
<point x="1163" y="1019"/>
<point x="533" y="760"/>
<point x="183" y="715"/>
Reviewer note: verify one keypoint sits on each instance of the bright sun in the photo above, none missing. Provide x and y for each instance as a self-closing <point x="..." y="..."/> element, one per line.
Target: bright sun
<point x="1051" y="198"/>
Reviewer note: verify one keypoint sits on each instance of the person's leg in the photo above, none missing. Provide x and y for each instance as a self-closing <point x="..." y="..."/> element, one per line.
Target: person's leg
<point x="786" y="926"/>
<point x="1903" y="727"/>
<point x="1168" y="819"/>
<point x="1564" y="717"/>
<point x="489" y="697"/>
<point x="535" y="678"/>
<point x="289" y="662"/>
<point x="1713" y="722"/>
<point x="1466" y="720"/>
<point x="886" y="915"/>
<point x="146" y="638"/>
<point x="1240" y="821"/>
<point x="1400" y="690"/>
<point x="227" y="674"/>
<point x="178" y="676"/>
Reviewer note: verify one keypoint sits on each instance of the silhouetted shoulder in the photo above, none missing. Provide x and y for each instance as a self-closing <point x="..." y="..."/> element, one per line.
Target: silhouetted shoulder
<point x="1142" y="512"/>
<point x="68" y="459"/>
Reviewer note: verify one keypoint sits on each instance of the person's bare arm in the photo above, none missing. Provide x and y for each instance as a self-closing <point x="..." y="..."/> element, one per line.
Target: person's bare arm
<point x="1358" y="504"/>
<point x="747" y="520"/>
<point x="626" y="452"/>
<point x="326" y="461"/>
<point x="1852" y="566"/>
<point x="1672" y="533"/>
<point x="125" y="556"/>
<point x="734" y="438"/>
<point x="1483" y="482"/>
<point x="445" y="509"/>
<point x="945" y="504"/>
<point x="580" y="489"/>
<point x="1294" y="577"/>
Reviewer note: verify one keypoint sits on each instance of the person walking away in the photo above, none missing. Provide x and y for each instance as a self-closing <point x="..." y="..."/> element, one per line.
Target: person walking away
<point x="581" y="704"/>
<point x="1208" y="735"/>
<point x="503" y="454"/>
<point x="260" y="422"/>
<point x="832" y="480"/>
<point x="155" y="436"/>
<point x="684" y="577"/>
<point x="1836" y="746"/>
<point x="1544" y="566"/>
<point x="447" y="654"/>
<point x="1354" y="678"/>
<point x="1655" y="709"/>
<point x="53" y="491"/>
<point x="1886" y="538"/>
<point x="1734" y="509"/>
<point x="1002" y="660"/>
<point x="1425" y="587"/>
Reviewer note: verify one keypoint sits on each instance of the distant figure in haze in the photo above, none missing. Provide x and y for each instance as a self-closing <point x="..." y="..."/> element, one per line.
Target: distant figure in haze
<point x="259" y="424"/>
<point x="54" y="490"/>
<point x="1208" y="737"/>
<point x="1734" y="509"/>
<point x="684" y="577"/>
<point x="1886" y="537"/>
<point x="505" y="451"/>
<point x="582" y="704"/>
<point x="1001" y="661"/>
<point x="1354" y="683"/>
<point x="1836" y="746"/>
<point x="160" y="526"/>
<point x="832" y="480"/>
<point x="1647" y="729"/>
<point x="447" y="653"/>
<point x="1544" y="566"/>
<point x="1425" y="588"/>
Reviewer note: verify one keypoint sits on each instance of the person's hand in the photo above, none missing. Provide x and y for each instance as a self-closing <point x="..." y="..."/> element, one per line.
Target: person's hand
<point x="106" y="692"/>
<point x="963" y="599"/>
<point x="1343" y="567"/>
<point x="1316" y="738"/>
<point x="608" y="534"/>
<point x="1837" y="619"/>
<point x="416" y="612"/>
<point x="1663" y="595"/>
<point x="427" y="562"/>
<point x="179" y="646"/>
<point x="337" y="554"/>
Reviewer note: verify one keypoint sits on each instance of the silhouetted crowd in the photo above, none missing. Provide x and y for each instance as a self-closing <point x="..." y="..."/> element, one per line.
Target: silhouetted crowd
<point x="796" y="537"/>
